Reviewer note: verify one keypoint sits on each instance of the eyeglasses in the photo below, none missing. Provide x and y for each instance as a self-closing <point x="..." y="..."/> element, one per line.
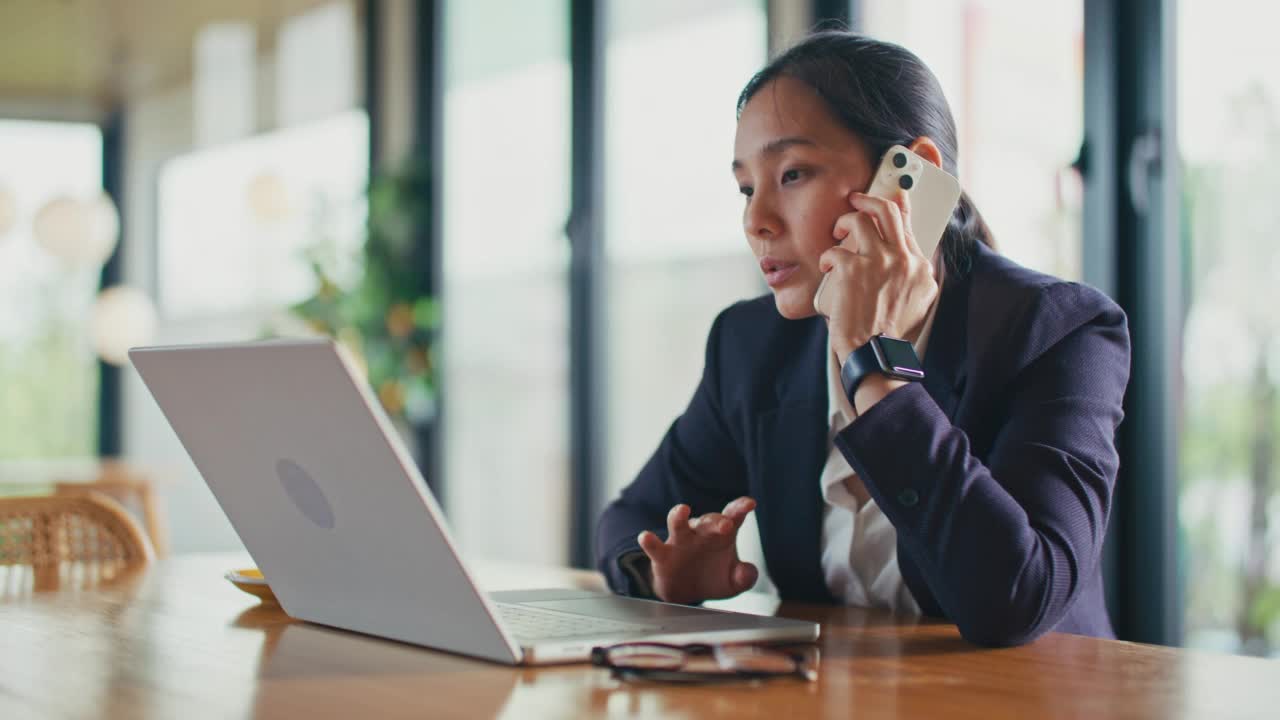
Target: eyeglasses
<point x="703" y="663"/>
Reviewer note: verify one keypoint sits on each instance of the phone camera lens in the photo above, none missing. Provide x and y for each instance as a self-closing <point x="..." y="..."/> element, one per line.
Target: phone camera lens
<point x="905" y="182"/>
<point x="900" y="160"/>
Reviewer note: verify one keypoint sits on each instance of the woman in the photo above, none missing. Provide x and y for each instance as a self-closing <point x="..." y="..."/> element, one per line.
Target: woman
<point x="979" y="494"/>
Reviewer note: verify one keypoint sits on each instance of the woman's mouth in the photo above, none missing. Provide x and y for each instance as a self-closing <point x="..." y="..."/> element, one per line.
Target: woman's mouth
<point x="776" y="272"/>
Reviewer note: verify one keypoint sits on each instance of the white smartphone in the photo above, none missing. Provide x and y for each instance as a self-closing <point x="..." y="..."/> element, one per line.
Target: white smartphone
<point x="933" y="195"/>
<point x="932" y="192"/>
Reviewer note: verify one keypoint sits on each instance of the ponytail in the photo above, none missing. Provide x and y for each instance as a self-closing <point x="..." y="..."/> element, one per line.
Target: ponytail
<point x="964" y="231"/>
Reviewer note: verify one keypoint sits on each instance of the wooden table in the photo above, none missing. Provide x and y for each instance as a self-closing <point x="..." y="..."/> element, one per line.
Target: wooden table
<point x="176" y="640"/>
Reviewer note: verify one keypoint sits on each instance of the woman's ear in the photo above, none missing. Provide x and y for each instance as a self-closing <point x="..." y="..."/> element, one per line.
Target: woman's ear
<point x="925" y="148"/>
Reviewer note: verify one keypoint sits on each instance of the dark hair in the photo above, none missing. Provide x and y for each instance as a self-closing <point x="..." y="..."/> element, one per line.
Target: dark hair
<point x="886" y="96"/>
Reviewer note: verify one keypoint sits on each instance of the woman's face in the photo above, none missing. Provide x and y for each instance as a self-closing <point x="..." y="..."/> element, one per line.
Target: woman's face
<point x="795" y="165"/>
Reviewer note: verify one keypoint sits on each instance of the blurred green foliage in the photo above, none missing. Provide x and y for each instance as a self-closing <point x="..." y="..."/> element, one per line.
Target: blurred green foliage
<point x="386" y="317"/>
<point x="1229" y="492"/>
<point x="49" y="388"/>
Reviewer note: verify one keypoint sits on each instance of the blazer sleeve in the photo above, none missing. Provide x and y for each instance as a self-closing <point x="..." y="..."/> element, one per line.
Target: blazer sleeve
<point x="1007" y="545"/>
<point x="698" y="462"/>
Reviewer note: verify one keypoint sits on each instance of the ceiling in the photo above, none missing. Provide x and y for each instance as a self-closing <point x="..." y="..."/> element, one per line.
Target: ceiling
<point x="95" y="54"/>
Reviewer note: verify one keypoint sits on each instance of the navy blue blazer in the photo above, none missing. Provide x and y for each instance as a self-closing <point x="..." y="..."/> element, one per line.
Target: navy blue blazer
<point x="997" y="470"/>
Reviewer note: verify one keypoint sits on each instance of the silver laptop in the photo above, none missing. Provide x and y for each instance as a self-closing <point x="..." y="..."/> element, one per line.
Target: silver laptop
<point x="328" y="502"/>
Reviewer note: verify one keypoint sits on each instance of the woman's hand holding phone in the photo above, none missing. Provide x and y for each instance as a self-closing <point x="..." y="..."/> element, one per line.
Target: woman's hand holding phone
<point x="699" y="560"/>
<point x="877" y="280"/>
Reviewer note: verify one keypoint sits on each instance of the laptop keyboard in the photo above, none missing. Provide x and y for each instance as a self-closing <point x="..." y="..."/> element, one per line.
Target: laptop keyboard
<point x="538" y="624"/>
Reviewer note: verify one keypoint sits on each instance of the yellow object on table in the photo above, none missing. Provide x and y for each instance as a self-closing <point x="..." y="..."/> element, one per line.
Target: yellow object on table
<point x="250" y="580"/>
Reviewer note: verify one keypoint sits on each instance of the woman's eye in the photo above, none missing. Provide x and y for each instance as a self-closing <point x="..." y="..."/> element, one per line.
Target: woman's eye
<point x="790" y="176"/>
<point x="745" y="190"/>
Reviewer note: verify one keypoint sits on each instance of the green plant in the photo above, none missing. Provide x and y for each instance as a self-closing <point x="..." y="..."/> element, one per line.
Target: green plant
<point x="385" y="317"/>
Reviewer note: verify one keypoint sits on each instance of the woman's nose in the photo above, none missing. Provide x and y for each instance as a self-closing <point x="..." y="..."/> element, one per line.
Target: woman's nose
<point x="760" y="219"/>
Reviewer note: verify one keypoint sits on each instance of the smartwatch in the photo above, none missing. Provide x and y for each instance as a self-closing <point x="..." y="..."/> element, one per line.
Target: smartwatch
<point x="882" y="354"/>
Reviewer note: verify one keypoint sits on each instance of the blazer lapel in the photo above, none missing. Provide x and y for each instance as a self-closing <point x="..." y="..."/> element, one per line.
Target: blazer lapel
<point x="944" y="358"/>
<point x="790" y="443"/>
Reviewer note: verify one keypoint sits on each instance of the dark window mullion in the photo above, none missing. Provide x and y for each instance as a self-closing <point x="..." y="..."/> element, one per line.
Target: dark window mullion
<point x="110" y="410"/>
<point x="426" y="156"/>
<point x="587" y="270"/>
<point x="1130" y="164"/>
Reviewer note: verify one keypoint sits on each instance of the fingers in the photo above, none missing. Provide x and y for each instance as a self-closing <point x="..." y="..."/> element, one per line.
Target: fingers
<point x="678" y="523"/>
<point x="856" y="231"/>
<point x="818" y="306"/>
<point x="903" y="200"/>
<point x="743" y="576"/>
<point x="737" y="510"/>
<point x="834" y="256"/>
<point x="653" y="546"/>
<point x="713" y="524"/>
<point x="727" y="522"/>
<point x="889" y="215"/>
<point x="683" y="530"/>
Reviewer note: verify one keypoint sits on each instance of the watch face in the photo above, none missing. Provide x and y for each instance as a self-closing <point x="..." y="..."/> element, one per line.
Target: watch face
<point x="899" y="357"/>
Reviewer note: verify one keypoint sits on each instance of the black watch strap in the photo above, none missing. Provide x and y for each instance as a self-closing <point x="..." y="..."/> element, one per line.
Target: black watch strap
<point x="888" y="356"/>
<point x="858" y="365"/>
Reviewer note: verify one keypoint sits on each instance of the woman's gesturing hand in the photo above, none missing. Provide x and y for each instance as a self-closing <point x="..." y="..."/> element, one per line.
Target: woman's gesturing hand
<point x="877" y="279"/>
<point x="699" y="561"/>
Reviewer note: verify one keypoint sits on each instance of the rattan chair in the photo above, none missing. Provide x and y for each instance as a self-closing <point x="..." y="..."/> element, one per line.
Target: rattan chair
<point x="49" y="532"/>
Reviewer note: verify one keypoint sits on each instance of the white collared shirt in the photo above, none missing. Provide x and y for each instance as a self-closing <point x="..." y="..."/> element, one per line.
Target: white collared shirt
<point x="859" y="544"/>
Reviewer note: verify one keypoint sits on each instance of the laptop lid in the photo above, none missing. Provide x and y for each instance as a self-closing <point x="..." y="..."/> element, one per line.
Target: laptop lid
<point x="319" y="488"/>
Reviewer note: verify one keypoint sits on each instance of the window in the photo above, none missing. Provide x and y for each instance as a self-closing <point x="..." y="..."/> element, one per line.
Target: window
<point x="675" y="247"/>
<point x="47" y="367"/>
<point x="675" y="250"/>
<point x="505" y="350"/>
<point x="1229" y="496"/>
<point x="237" y="221"/>
<point x="1013" y="156"/>
<point x="239" y="167"/>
